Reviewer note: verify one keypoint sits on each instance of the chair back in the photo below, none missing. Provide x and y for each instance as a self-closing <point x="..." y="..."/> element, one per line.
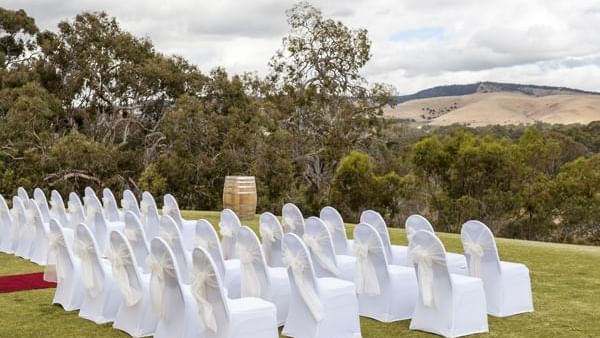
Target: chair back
<point x="22" y="193"/>
<point x="480" y="250"/>
<point x="335" y="223"/>
<point x="76" y="210"/>
<point x="229" y="225"/>
<point x="111" y="208"/>
<point x="371" y="265"/>
<point x="169" y="232"/>
<point x="136" y="236"/>
<point x="207" y="239"/>
<point x="57" y="208"/>
<point x="271" y="233"/>
<point x="150" y="218"/>
<point x="92" y="271"/>
<point x="415" y="223"/>
<point x="375" y="219"/>
<point x="124" y="268"/>
<point x="166" y="291"/>
<point x="171" y="208"/>
<point x="292" y="219"/>
<point x="129" y="203"/>
<point x="42" y="202"/>
<point x="61" y="260"/>
<point x="254" y="280"/>
<point x="208" y="291"/>
<point x="319" y="243"/>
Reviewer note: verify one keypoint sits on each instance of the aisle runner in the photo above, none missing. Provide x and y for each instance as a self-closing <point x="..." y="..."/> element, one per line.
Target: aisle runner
<point x="29" y="281"/>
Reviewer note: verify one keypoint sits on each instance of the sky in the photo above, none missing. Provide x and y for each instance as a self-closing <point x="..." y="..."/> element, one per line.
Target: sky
<point x="416" y="44"/>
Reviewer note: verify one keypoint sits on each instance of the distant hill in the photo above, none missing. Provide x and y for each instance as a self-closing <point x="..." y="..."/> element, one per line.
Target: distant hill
<point x="491" y="87"/>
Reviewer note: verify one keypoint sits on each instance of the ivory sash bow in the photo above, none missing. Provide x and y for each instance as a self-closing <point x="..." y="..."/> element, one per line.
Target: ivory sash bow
<point x="289" y="225"/>
<point x="125" y="204"/>
<point x="86" y="254"/>
<point x="54" y="271"/>
<point x="475" y="249"/>
<point x="269" y="237"/>
<point x="425" y="259"/>
<point x="365" y="276"/>
<point x="316" y="243"/>
<point x="201" y="281"/>
<point x="120" y="259"/>
<point x="106" y="201"/>
<point x="169" y="210"/>
<point x="72" y="206"/>
<point x="160" y="269"/>
<point x="410" y="233"/>
<point x="297" y="264"/>
<point x="228" y="241"/>
<point x="250" y="284"/>
<point x="144" y="207"/>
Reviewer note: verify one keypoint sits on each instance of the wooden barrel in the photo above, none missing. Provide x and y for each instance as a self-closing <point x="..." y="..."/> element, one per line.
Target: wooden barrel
<point x="239" y="195"/>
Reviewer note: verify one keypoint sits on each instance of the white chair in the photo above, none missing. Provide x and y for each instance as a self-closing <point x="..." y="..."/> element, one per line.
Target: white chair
<point x="76" y="211"/>
<point x="40" y="199"/>
<point x="111" y="208"/>
<point x="88" y="193"/>
<point x="169" y="232"/>
<point x="395" y="254"/>
<point x="260" y="280"/>
<point x="6" y="227"/>
<point x="386" y="292"/>
<point x="129" y="203"/>
<point x="187" y="227"/>
<point x="271" y="233"/>
<point x="292" y="219"/>
<point x="335" y="223"/>
<point x="319" y="307"/>
<point x="134" y="316"/>
<point x="63" y="268"/>
<point x="150" y="218"/>
<point x="57" y="208"/>
<point x="17" y="215"/>
<point x="171" y="300"/>
<point x="136" y="236"/>
<point x="507" y="285"/>
<point x="450" y="305"/>
<point x="98" y="223"/>
<point x="25" y="217"/>
<point x="39" y="247"/>
<point x="22" y="193"/>
<point x="229" y="270"/>
<point x="221" y="317"/>
<point x="102" y="297"/>
<point x="327" y="264"/>
<point x="229" y="225"/>
<point x="457" y="263"/>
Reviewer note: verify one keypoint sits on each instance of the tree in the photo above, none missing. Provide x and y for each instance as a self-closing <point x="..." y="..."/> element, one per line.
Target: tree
<point x="17" y="36"/>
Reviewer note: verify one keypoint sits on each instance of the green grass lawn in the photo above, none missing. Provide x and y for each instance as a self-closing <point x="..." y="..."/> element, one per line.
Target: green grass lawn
<point x="566" y="290"/>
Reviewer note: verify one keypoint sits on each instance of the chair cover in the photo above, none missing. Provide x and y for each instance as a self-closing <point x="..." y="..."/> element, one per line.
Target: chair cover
<point x="187" y="228"/>
<point x="327" y="264"/>
<point x="57" y="208"/>
<point x="292" y="219"/>
<point x="219" y="316"/>
<point x="450" y="305"/>
<point x="136" y="236"/>
<point x="39" y="248"/>
<point x="271" y="233"/>
<point x="170" y="299"/>
<point x="229" y="270"/>
<point x="22" y="193"/>
<point x="169" y="232"/>
<point x="135" y="315"/>
<point x="150" y="218"/>
<point x="26" y="229"/>
<point x="63" y="268"/>
<point x="507" y="285"/>
<point x="130" y="203"/>
<point x="102" y="297"/>
<point x="6" y="227"/>
<point x="76" y="211"/>
<point x="99" y="225"/>
<point x="228" y="227"/>
<point x="456" y="262"/>
<point x="88" y="193"/>
<point x="260" y="280"/>
<point x="386" y="293"/>
<point x="335" y="223"/>
<point x="319" y="307"/>
<point x="40" y="199"/>
<point x="395" y="254"/>
<point x="111" y="208"/>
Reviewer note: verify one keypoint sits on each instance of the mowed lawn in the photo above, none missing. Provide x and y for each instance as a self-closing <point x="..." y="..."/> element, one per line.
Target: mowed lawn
<point x="566" y="290"/>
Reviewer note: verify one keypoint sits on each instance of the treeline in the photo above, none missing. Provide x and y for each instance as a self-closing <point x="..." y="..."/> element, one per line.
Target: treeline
<point x="92" y="105"/>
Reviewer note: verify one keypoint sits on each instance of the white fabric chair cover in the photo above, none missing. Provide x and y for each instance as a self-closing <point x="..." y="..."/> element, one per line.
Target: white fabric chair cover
<point x="111" y="208"/>
<point x="335" y="223"/>
<point x="26" y="229"/>
<point x="136" y="236"/>
<point x="327" y="264"/>
<point x="98" y="223"/>
<point x="129" y="203"/>
<point x="17" y="215"/>
<point x="40" y="199"/>
<point x="6" y="227"/>
<point x="22" y="193"/>
<point x="88" y="193"/>
<point x="135" y="315"/>
<point x="395" y="254"/>
<point x="319" y="307"/>
<point x="260" y="280"/>
<point x="229" y="225"/>
<point x="171" y="300"/>
<point x="39" y="246"/>
<point x="507" y="285"/>
<point x="271" y="233"/>
<point x="150" y="218"/>
<point x="456" y="262"/>
<point x="229" y="270"/>
<point x="450" y="305"/>
<point x="63" y="268"/>
<point x="187" y="228"/>
<point x="57" y="208"/>
<point x="221" y="317"/>
<point x="169" y="232"/>
<point x="102" y="297"/>
<point x="76" y="211"/>
<point x="386" y="293"/>
<point x="292" y="219"/>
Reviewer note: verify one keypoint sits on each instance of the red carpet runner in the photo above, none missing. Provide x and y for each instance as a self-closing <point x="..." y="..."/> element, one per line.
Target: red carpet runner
<point x="29" y="281"/>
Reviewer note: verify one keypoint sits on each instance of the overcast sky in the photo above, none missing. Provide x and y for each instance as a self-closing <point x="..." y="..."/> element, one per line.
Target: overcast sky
<point x="415" y="43"/>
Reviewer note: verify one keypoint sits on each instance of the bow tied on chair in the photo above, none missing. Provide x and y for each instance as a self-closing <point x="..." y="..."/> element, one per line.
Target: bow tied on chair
<point x="365" y="276"/>
<point x="144" y="207"/>
<point x="249" y="278"/>
<point x="425" y="259"/>
<point x="106" y="201"/>
<point x="201" y="281"/>
<point x="86" y="254"/>
<point x="159" y="269"/>
<point x="204" y="243"/>
<point x="297" y="264"/>
<point x="475" y="249"/>
<point x="73" y="207"/>
<point x="120" y="259"/>
<point x="288" y="224"/>
<point x="168" y="236"/>
<point x="169" y="210"/>
<point x="269" y="237"/>
<point x="410" y="233"/>
<point x="225" y="231"/>
<point x="125" y="204"/>
<point x="315" y="243"/>
<point x="54" y="271"/>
